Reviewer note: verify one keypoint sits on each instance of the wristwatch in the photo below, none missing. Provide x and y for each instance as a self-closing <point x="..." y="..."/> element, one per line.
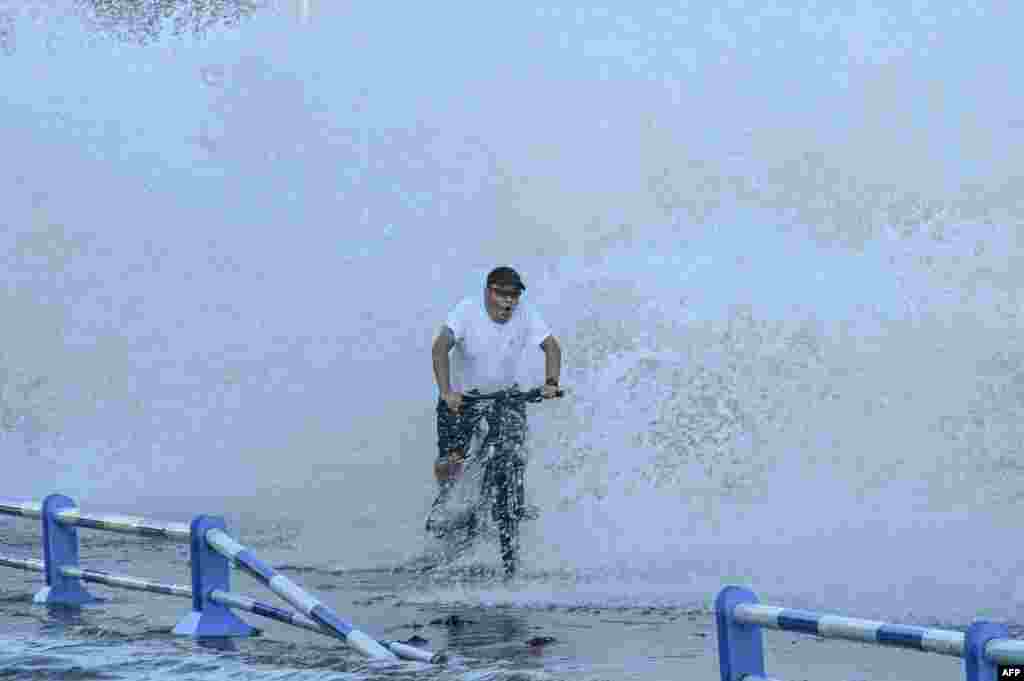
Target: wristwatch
<point x="553" y="382"/>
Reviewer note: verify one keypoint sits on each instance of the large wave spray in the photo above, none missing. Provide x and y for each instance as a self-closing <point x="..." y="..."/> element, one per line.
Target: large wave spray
<point x="781" y="261"/>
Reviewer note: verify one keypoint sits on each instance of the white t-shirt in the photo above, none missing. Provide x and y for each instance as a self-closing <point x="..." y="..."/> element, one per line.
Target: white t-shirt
<point x="486" y="354"/>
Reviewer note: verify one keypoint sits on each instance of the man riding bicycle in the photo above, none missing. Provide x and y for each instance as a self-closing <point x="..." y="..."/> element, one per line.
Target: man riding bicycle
<point x="488" y="336"/>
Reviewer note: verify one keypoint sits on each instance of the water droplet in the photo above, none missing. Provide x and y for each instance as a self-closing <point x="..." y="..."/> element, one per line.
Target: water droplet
<point x="7" y="37"/>
<point x="213" y="75"/>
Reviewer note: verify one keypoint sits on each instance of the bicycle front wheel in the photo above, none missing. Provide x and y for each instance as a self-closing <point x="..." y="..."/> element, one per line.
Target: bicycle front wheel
<point x="508" y="510"/>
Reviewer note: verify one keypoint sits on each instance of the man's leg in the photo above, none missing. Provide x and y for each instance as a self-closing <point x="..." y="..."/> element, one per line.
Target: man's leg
<point x="449" y="468"/>
<point x="453" y="434"/>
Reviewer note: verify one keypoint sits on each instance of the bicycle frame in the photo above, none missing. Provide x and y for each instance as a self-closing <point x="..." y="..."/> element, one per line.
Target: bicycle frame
<point x="494" y="473"/>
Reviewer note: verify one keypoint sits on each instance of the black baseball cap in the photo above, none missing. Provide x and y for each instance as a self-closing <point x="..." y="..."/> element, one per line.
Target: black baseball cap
<point x="505" y="276"/>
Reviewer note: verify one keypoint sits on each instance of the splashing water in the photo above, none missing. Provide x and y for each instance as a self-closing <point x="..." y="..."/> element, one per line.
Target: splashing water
<point x="789" y="311"/>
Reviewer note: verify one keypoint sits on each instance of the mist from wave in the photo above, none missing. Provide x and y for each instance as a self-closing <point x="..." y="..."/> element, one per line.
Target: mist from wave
<point x="781" y="264"/>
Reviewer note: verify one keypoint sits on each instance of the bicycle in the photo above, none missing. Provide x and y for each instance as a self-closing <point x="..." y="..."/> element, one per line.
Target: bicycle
<point x="492" y="475"/>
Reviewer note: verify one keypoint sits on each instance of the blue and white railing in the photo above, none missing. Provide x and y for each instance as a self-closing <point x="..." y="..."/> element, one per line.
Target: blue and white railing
<point x="212" y="554"/>
<point x="740" y="619"/>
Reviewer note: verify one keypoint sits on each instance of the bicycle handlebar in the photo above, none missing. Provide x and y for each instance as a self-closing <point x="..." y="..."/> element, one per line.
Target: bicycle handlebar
<point x="508" y="394"/>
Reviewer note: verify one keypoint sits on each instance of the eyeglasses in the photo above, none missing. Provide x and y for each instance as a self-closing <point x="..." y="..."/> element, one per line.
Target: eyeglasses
<point x="507" y="293"/>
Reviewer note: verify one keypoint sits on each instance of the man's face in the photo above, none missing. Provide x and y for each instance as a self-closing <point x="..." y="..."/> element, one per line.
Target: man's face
<point x="503" y="300"/>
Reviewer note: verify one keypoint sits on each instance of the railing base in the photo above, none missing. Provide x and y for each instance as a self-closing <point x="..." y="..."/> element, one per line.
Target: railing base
<point x="72" y="597"/>
<point x="213" y="623"/>
<point x="210" y="572"/>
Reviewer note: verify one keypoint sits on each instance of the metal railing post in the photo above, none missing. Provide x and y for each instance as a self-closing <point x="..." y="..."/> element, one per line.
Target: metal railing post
<point x="60" y="549"/>
<point x="213" y="553"/>
<point x="740" y="646"/>
<point x="977" y="667"/>
<point x="210" y="572"/>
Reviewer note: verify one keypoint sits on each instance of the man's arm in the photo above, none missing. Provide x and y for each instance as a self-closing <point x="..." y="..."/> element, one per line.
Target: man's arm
<point x="552" y="358"/>
<point x="443" y="344"/>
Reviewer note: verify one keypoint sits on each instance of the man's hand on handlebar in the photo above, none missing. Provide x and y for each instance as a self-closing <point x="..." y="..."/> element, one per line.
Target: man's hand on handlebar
<point x="454" y="401"/>
<point x="548" y="391"/>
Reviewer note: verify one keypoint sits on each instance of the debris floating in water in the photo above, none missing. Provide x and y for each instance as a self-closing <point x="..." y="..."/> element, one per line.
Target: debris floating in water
<point x="538" y="641"/>
<point x="451" y="621"/>
<point x="417" y="641"/>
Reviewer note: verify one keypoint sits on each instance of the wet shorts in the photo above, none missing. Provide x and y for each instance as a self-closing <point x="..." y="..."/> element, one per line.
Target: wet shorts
<point x="454" y="431"/>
